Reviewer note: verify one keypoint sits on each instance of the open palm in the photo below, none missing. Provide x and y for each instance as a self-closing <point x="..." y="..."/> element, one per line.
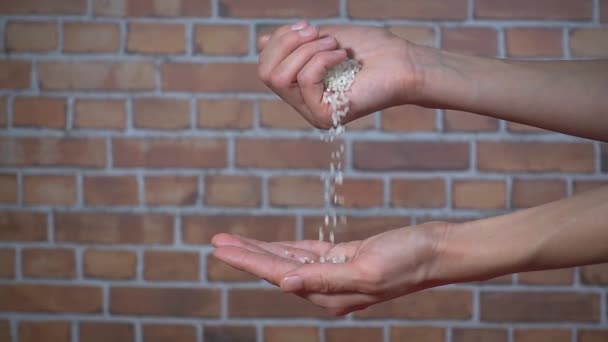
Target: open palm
<point x="377" y="269"/>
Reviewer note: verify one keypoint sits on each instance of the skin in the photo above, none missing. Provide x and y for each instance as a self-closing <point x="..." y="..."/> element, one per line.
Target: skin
<point x="560" y="96"/>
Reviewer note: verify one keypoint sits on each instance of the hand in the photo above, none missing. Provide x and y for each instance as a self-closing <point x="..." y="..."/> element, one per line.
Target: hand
<point x="295" y="59"/>
<point x="377" y="269"/>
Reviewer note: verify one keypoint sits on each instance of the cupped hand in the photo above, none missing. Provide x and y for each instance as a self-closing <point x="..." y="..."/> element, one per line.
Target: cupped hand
<point x="377" y="269"/>
<point x="295" y="59"/>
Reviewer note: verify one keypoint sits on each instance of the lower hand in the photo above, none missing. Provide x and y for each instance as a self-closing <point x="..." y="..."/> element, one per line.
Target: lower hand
<point x="377" y="269"/>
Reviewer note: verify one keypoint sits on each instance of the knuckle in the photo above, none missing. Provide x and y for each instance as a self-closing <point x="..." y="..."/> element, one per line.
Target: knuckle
<point x="278" y="80"/>
<point x="263" y="74"/>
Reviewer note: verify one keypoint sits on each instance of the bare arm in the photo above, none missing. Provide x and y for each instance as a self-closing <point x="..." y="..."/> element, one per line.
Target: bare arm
<point x="563" y="96"/>
<point x="566" y="233"/>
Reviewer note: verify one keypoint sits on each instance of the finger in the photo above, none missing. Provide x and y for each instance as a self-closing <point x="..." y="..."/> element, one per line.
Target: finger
<point x="314" y="246"/>
<point x="278" y="48"/>
<point x="310" y="79"/>
<point x="287" y="71"/>
<point x="223" y="240"/>
<point x="300" y="255"/>
<point x="323" y="278"/>
<point x="263" y="265"/>
<point x="262" y="41"/>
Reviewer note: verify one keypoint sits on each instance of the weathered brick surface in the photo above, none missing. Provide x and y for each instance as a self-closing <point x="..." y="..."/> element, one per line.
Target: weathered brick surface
<point x="133" y="131"/>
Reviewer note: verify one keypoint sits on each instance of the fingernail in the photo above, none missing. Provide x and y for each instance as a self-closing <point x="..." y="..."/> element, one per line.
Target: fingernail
<point x="292" y="284"/>
<point x="299" y="25"/>
<point x="327" y="41"/>
<point x="307" y="32"/>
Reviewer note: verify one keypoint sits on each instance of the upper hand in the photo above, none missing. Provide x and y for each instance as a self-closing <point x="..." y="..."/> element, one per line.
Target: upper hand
<point x="379" y="268"/>
<point x="295" y="59"/>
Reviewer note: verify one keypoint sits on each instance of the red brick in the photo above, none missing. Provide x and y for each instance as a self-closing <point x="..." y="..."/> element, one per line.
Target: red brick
<point x="8" y="188"/>
<point x="114" y="228"/>
<point x="530" y="193"/>
<point x="292" y="334"/>
<point x="200" y="229"/>
<point x="479" y="194"/>
<point x="581" y="186"/>
<point x="604" y="11"/>
<point x="229" y="333"/>
<point x="353" y="334"/>
<point x="165" y="265"/>
<point x="101" y="332"/>
<point x="24" y="36"/>
<point x="428" y="304"/>
<point x="534" y="42"/>
<point x="146" y="8"/>
<point x="551" y="277"/>
<point x="408" y="119"/>
<point x="23" y="226"/>
<point x="109" y="264"/>
<point x="168" y="333"/>
<point x="592" y="335"/>
<point x="416" y="9"/>
<point x="7" y="263"/>
<point x="357" y="228"/>
<point x="279" y="153"/>
<point x="592" y="42"/>
<point x="279" y="114"/>
<point x="100" y="114"/>
<point x="280" y="8"/>
<point x="418" y="193"/>
<point x="539" y="307"/>
<point x="158" y="113"/>
<point x="111" y="190"/>
<point x="218" y="270"/>
<point x="97" y="75"/>
<point x="170" y="302"/>
<point x="49" y="190"/>
<point x="363" y="123"/>
<point x="221" y="39"/>
<point x="535" y="157"/>
<point x="171" y="190"/>
<point x="43" y="7"/>
<point x="421" y="35"/>
<point x="458" y="121"/>
<point x="534" y="335"/>
<point x="361" y="192"/>
<point x="604" y="157"/>
<point x="233" y="191"/>
<point x="3" y="112"/>
<point x="49" y="263"/>
<point x="5" y="330"/>
<point x="418" y="334"/>
<point x="225" y="114"/>
<point x="479" y="335"/>
<point x="226" y="77"/>
<point x="539" y="9"/>
<point x="170" y="152"/>
<point x="470" y="40"/>
<point x="39" y="112"/>
<point x="15" y="74"/>
<point x="595" y="274"/>
<point x="156" y="38"/>
<point x="515" y="127"/>
<point x="296" y="191"/>
<point x="34" y="331"/>
<point x="50" y="298"/>
<point x="415" y="155"/>
<point x="253" y="303"/>
<point x="95" y="37"/>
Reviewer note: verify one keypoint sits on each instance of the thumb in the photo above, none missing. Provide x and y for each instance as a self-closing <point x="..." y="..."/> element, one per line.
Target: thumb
<point x="322" y="278"/>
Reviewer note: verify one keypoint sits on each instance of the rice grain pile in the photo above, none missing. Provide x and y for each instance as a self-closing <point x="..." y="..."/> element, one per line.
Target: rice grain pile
<point x="338" y="82"/>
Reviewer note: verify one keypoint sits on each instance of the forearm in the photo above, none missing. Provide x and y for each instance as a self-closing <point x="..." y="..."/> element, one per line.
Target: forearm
<point x="563" y="96"/>
<point x="570" y="232"/>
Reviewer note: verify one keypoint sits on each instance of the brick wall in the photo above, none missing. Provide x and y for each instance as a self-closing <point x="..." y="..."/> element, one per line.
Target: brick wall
<point x="134" y="130"/>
